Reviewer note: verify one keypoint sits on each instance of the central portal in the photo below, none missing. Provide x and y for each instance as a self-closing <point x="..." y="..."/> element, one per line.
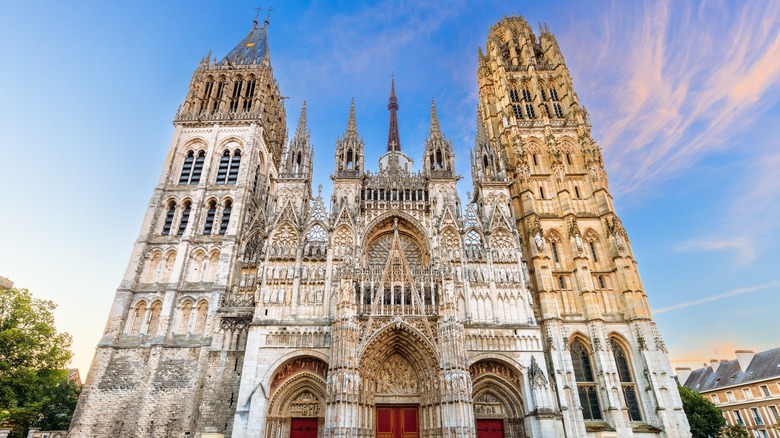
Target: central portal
<point x="397" y="422"/>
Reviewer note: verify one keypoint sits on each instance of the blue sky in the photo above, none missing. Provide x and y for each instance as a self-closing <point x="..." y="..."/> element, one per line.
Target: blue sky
<point x="684" y="98"/>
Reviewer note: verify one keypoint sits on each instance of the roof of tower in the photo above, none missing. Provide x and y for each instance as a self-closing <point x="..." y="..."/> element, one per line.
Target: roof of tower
<point x="393" y="137"/>
<point x="253" y="47"/>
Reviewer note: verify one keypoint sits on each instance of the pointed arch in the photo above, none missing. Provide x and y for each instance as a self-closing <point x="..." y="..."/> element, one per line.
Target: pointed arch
<point x="155" y="309"/>
<point x="620" y="354"/>
<point x="185" y="313"/>
<point x="584" y="374"/>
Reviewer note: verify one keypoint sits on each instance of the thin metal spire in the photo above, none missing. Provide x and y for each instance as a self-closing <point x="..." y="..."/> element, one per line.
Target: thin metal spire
<point x="393" y="138"/>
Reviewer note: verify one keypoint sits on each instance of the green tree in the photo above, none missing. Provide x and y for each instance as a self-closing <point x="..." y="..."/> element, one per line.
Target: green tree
<point x="705" y="419"/>
<point x="734" y="431"/>
<point x="34" y="387"/>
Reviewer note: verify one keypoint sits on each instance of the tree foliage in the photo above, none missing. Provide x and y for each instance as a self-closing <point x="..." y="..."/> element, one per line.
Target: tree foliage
<point x="704" y="417"/>
<point x="734" y="431"/>
<point x="34" y="385"/>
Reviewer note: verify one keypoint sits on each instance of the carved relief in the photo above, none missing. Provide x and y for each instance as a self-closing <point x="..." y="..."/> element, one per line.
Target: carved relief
<point x="396" y="377"/>
<point x="309" y="364"/>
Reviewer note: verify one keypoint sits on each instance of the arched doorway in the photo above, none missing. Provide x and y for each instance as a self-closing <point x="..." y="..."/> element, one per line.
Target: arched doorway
<point x="400" y="383"/>
<point x="498" y="406"/>
<point x="296" y="406"/>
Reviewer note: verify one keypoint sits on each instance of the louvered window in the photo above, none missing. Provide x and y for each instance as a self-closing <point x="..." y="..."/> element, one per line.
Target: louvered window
<point x="529" y="109"/>
<point x="186" y="168"/>
<point x="224" y="165"/>
<point x="197" y="169"/>
<point x="235" y="163"/>
<point x="558" y="110"/>
<point x="223" y="226"/>
<point x="169" y="218"/>
<point x="185" y="217"/>
<point x="210" y="215"/>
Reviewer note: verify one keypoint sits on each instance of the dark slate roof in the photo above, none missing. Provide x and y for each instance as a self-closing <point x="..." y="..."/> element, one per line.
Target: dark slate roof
<point x="253" y="47"/>
<point x="765" y="365"/>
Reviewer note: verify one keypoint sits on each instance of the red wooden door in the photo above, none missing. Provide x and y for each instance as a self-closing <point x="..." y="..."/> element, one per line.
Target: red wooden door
<point x="397" y="422"/>
<point x="303" y="428"/>
<point x="490" y="429"/>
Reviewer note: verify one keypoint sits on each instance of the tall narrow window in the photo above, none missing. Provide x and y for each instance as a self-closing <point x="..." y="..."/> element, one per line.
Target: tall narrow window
<point x="526" y="94"/>
<point x="576" y="192"/>
<point x="223" y="225"/>
<point x="186" y="169"/>
<point x="568" y="159"/>
<point x="626" y="381"/>
<point x="555" y="252"/>
<point x="541" y="192"/>
<point x="558" y="110"/>
<point x="593" y="251"/>
<point x="218" y="98"/>
<point x="544" y="96"/>
<point x="185" y="217"/>
<point x="210" y="215"/>
<point x="235" y="163"/>
<point x="517" y="109"/>
<point x="602" y="285"/>
<point x="536" y="160"/>
<point x="204" y="101"/>
<point x="224" y="164"/>
<point x="197" y="169"/>
<point x="529" y="109"/>
<point x="554" y="94"/>
<point x="561" y="282"/>
<point x="249" y="94"/>
<point x="586" y="384"/>
<point x="513" y="95"/>
<point x="236" y="94"/>
<point x="169" y="218"/>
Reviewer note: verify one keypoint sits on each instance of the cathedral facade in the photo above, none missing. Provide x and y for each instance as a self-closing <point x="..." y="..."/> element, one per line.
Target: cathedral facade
<point x="253" y="306"/>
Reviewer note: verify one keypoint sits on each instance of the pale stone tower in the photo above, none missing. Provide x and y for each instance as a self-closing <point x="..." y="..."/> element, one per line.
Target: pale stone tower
<point x="611" y="366"/>
<point x="168" y="361"/>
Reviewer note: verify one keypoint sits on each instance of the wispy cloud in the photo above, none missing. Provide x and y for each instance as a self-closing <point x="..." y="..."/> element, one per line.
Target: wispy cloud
<point x="679" y="84"/>
<point x="731" y="293"/>
<point x="743" y="245"/>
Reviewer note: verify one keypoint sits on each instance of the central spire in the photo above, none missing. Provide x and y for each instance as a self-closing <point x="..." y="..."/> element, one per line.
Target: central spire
<point x="393" y="139"/>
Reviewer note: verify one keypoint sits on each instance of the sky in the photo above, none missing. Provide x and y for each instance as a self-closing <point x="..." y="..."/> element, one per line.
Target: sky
<point x="684" y="98"/>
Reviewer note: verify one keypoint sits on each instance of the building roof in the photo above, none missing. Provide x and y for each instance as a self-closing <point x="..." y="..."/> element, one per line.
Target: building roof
<point x="253" y="47"/>
<point x="765" y="365"/>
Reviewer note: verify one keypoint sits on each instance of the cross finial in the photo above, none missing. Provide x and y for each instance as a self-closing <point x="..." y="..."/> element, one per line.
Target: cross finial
<point x="268" y="18"/>
<point x="257" y="16"/>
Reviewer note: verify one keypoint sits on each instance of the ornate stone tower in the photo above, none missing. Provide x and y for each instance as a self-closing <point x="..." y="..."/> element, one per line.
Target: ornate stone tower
<point x="611" y="368"/>
<point x="172" y="351"/>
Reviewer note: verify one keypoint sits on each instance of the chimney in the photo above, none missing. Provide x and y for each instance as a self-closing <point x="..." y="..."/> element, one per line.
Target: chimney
<point x="744" y="357"/>
<point x="682" y="374"/>
<point x="714" y="363"/>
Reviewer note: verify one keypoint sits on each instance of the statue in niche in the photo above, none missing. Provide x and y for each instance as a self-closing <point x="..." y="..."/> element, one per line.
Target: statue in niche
<point x="539" y="241"/>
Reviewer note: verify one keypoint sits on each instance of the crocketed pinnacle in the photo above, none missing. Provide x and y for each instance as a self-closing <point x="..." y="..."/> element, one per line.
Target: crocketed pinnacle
<point x="301" y="130"/>
<point x="480" y="138"/>
<point x="393" y="138"/>
<point x="352" y="121"/>
<point x="435" y="128"/>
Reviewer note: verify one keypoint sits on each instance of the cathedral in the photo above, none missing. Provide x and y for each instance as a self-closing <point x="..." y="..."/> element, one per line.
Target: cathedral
<point x="254" y="305"/>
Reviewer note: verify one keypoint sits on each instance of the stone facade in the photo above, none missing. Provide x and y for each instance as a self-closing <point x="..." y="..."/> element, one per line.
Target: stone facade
<point x="250" y="302"/>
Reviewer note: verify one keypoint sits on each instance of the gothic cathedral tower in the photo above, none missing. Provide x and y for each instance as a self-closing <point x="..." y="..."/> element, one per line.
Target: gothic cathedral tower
<point x="251" y="307"/>
<point x="611" y="365"/>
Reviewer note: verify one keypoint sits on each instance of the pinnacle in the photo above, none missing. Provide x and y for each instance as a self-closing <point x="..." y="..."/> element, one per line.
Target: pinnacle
<point x="301" y="130"/>
<point x="435" y="128"/>
<point x="480" y="138"/>
<point x="352" y="121"/>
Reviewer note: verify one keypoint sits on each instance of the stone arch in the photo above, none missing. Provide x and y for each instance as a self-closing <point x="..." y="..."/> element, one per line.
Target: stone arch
<point x="297" y="390"/>
<point x="226" y="143"/>
<point x="407" y="225"/>
<point x="418" y="383"/>
<point x="498" y="393"/>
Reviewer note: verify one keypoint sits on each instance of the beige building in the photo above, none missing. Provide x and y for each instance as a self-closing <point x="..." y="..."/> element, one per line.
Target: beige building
<point x="254" y="306"/>
<point x="6" y="283"/>
<point x="747" y="389"/>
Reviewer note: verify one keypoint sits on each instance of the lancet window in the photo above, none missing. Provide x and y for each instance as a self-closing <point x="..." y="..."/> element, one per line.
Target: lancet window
<point x="185" y="217"/>
<point x="169" y="215"/>
<point x="586" y="383"/>
<point x="626" y="381"/>
<point x="223" y="226"/>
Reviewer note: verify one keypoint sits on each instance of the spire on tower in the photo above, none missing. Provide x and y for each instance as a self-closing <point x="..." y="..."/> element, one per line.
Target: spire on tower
<point x="393" y="138"/>
<point x="439" y="157"/>
<point x="349" y="149"/>
<point x="434" y="119"/>
<point x="253" y="48"/>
